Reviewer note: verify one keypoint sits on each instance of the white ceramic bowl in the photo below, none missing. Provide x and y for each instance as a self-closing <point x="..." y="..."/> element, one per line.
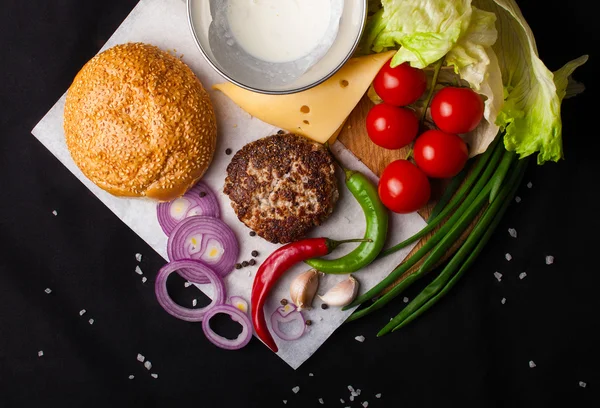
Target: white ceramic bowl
<point x="211" y="32"/>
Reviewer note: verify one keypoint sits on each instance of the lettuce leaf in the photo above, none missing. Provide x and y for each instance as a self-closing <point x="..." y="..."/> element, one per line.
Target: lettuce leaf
<point x="425" y="30"/>
<point x="530" y="116"/>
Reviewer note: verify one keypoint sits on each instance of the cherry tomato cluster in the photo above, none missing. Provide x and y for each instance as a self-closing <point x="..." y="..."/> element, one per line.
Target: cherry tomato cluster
<point x="438" y="153"/>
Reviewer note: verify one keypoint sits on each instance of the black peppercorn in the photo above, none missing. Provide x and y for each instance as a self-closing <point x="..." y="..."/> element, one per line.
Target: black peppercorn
<point x="252" y="262"/>
<point x="252" y="233"/>
<point x="283" y="302"/>
<point x="238" y="266"/>
<point x="324" y="306"/>
<point x="202" y="194"/>
<point x="245" y="263"/>
<point x="254" y="253"/>
<point x="308" y="322"/>
<point x="280" y="132"/>
<point x="228" y="151"/>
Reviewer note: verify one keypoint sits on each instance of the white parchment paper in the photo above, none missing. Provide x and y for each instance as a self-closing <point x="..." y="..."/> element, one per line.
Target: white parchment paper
<point x="164" y="24"/>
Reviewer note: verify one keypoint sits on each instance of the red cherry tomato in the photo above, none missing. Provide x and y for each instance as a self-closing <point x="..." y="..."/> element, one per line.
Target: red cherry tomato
<point x="440" y="154"/>
<point x="401" y="85"/>
<point x="391" y="127"/>
<point x="456" y="110"/>
<point x="403" y="187"/>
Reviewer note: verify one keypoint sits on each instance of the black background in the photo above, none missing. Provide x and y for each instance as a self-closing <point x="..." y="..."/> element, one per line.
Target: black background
<point x="469" y="350"/>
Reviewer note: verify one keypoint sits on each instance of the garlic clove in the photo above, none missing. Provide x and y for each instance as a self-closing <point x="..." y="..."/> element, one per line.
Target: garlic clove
<point x="341" y="294"/>
<point x="303" y="289"/>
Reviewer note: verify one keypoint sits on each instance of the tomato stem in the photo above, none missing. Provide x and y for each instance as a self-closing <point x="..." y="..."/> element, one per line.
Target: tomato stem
<point x="436" y="73"/>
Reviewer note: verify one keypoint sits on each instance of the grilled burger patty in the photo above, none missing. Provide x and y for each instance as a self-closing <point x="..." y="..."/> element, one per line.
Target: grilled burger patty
<point x="282" y="185"/>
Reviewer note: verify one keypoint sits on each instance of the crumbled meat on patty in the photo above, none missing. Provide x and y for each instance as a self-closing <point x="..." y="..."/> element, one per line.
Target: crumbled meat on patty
<point x="281" y="186"/>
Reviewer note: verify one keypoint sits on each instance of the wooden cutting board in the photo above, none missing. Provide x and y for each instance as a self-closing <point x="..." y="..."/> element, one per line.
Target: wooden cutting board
<point x="354" y="136"/>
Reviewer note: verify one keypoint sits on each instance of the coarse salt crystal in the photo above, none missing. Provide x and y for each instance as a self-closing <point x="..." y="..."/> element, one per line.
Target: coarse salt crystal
<point x="285" y="401"/>
<point x="582" y="384"/>
<point x="351" y="398"/>
<point x="82" y="312"/>
<point x="54" y="212"/>
<point x="360" y="338"/>
<point x="518" y="199"/>
<point x="138" y="270"/>
<point x="405" y="300"/>
<point x="512" y="232"/>
<point x="531" y="364"/>
<point x="140" y="358"/>
<point x="40" y="353"/>
<point x="311" y="375"/>
<point x="522" y="275"/>
<point x="154" y="375"/>
<point x="358" y="391"/>
<point x="194" y="302"/>
<point x="508" y="256"/>
<point x="342" y="401"/>
<point x="549" y="260"/>
<point x="350" y="388"/>
<point x="148" y="365"/>
<point x="138" y="257"/>
<point x="296" y="389"/>
<point x="378" y="395"/>
<point x="321" y="401"/>
<point x="529" y="185"/>
<point x="365" y="404"/>
<point x="249" y="273"/>
<point x="144" y="279"/>
<point x="48" y="290"/>
<point x="187" y="284"/>
<point x="354" y="394"/>
<point x="498" y="276"/>
<point x="503" y="301"/>
<point x="91" y="321"/>
<point x="131" y="377"/>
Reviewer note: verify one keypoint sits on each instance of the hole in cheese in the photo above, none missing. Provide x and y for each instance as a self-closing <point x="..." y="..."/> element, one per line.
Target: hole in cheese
<point x="305" y="109"/>
<point x="306" y="122"/>
<point x="344" y="83"/>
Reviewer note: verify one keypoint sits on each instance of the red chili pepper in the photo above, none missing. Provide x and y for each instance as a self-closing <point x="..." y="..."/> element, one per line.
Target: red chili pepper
<point x="274" y="267"/>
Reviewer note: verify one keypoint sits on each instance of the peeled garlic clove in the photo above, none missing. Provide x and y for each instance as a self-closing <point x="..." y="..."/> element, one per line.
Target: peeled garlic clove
<point x="341" y="294"/>
<point x="303" y="289"/>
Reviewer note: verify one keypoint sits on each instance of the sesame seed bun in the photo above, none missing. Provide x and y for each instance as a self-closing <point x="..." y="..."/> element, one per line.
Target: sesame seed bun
<point x="138" y="122"/>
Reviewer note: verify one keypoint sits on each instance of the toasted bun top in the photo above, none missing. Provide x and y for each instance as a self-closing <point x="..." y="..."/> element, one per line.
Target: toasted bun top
<point x="138" y="122"/>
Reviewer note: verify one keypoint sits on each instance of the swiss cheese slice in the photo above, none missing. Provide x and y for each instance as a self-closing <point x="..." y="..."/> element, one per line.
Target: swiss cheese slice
<point x="319" y="112"/>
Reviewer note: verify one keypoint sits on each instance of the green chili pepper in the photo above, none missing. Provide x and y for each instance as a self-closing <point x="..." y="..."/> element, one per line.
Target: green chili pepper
<point x="377" y="225"/>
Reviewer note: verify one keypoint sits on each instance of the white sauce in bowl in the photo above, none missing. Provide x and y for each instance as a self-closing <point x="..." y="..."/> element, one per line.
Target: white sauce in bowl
<point x="279" y="30"/>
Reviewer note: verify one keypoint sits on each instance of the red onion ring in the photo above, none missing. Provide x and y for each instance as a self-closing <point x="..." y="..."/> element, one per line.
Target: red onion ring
<point x="208" y="229"/>
<point x="193" y="271"/>
<point x="287" y="314"/>
<point x="237" y="316"/>
<point x="206" y="205"/>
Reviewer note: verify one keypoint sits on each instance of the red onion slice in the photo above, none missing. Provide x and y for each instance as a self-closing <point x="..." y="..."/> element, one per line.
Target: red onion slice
<point x="206" y="239"/>
<point x="288" y="315"/>
<point x="192" y="271"/>
<point x="237" y="316"/>
<point x="199" y="200"/>
<point x="239" y="303"/>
